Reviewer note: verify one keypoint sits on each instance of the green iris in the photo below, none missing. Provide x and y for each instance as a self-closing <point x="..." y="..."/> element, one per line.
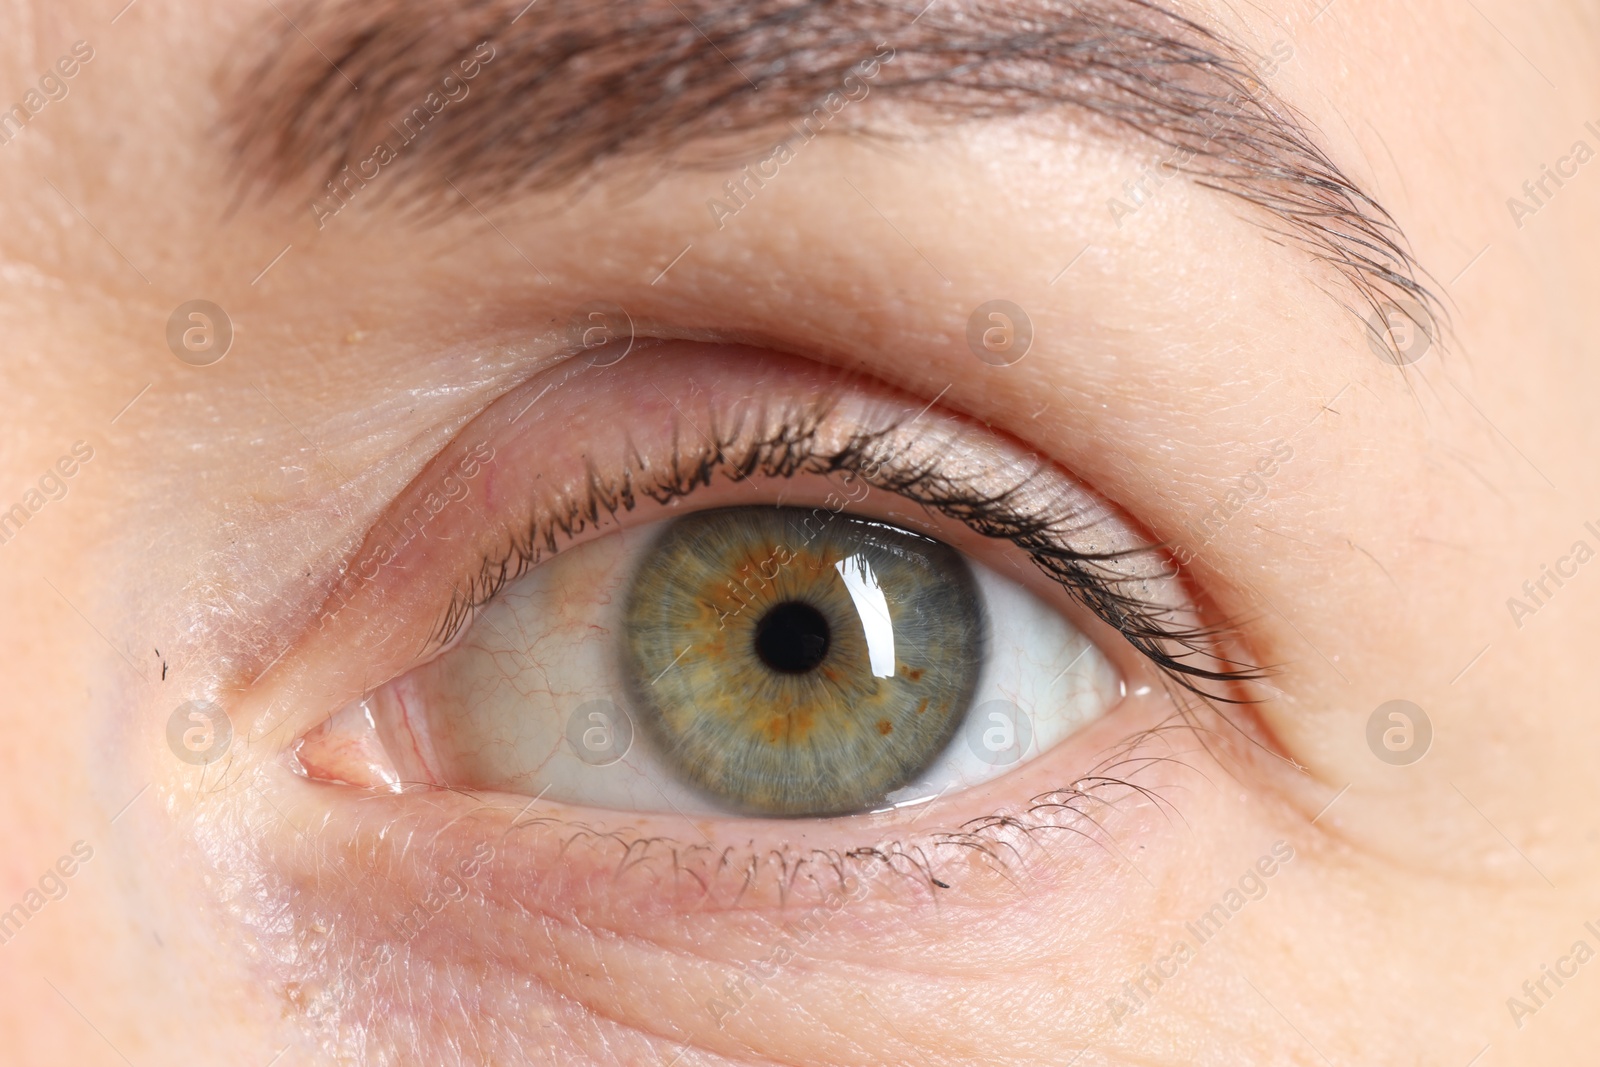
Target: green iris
<point x="792" y="662"/>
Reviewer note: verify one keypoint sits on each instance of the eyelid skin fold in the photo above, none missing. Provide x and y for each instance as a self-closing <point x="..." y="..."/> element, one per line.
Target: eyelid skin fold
<point x="563" y="457"/>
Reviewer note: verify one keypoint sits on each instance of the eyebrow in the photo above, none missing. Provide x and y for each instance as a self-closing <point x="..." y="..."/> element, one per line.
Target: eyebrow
<point x="571" y="85"/>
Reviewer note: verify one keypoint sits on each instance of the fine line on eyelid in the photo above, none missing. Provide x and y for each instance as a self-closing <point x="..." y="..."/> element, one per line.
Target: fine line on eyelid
<point x="930" y="404"/>
<point x="886" y="1020"/>
<point x="671" y="665"/>
<point x="542" y="392"/>
<point x="1110" y="839"/>
<point x="542" y="792"/>
<point x="1137" y="471"/>
<point x="1068" y="667"/>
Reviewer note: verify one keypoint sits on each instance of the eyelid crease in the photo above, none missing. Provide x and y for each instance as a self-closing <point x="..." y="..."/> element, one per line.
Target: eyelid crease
<point x="939" y="466"/>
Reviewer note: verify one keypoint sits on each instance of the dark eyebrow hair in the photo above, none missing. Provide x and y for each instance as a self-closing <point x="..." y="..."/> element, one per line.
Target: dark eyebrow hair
<point x="572" y="84"/>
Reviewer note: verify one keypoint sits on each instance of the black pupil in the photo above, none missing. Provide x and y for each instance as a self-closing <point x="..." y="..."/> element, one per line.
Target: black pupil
<point x="792" y="638"/>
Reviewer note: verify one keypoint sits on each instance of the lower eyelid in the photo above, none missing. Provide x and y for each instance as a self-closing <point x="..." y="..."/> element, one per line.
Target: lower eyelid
<point x="587" y="862"/>
<point x="360" y="930"/>
<point x="630" y="871"/>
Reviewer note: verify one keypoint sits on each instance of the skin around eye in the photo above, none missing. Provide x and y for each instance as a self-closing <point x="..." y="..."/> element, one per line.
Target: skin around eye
<point x="235" y="913"/>
<point x="736" y="661"/>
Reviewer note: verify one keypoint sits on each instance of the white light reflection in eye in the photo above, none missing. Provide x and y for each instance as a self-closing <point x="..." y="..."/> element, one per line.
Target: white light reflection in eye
<point x="873" y="608"/>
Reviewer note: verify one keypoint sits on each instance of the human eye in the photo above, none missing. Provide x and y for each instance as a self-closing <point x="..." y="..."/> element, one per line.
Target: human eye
<point x="725" y="583"/>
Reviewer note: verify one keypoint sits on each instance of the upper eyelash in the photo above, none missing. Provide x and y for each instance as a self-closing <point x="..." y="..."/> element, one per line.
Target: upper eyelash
<point x="792" y="448"/>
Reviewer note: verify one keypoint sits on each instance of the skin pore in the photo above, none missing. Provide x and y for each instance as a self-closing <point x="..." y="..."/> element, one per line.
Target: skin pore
<point x="1373" y="912"/>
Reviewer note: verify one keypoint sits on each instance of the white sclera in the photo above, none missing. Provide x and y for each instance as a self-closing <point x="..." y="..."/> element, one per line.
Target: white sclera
<point x="498" y="705"/>
<point x="1040" y="664"/>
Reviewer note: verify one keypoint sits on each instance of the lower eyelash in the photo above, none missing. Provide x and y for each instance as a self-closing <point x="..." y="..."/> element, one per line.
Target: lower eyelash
<point x="1077" y="811"/>
<point x="1044" y="523"/>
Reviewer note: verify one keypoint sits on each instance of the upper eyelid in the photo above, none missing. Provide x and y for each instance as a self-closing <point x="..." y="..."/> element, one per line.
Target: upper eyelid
<point x="1113" y="583"/>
